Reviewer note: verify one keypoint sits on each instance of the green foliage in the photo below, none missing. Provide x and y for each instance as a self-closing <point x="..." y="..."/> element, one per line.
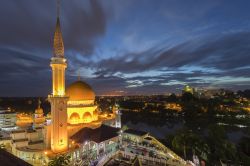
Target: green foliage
<point x="244" y="145"/>
<point x="213" y="148"/>
<point x="125" y="127"/>
<point x="183" y="141"/>
<point x="221" y="148"/>
<point x="187" y="97"/>
<point x="61" y="160"/>
<point x="172" y="98"/>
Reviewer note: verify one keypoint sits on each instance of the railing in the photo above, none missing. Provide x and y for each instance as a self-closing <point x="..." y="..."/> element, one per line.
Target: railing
<point x="107" y="157"/>
<point x="155" y="145"/>
<point x="167" y="150"/>
<point x="144" y="159"/>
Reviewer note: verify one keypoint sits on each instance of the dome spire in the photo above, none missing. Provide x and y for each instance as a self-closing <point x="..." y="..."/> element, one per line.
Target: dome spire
<point x="58" y="8"/>
<point x="39" y="103"/>
<point x="58" y="39"/>
<point x="79" y="76"/>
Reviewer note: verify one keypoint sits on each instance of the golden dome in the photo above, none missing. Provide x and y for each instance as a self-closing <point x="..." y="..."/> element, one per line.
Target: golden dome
<point x="79" y="91"/>
<point x="39" y="111"/>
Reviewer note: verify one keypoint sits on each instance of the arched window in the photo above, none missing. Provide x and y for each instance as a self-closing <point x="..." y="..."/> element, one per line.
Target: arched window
<point x="87" y="117"/>
<point x="74" y="118"/>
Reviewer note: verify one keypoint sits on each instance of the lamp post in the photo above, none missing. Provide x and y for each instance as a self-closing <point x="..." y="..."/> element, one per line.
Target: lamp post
<point x="45" y="154"/>
<point x="120" y="138"/>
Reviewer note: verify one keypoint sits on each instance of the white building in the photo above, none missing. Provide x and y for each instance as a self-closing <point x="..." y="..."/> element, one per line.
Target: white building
<point x="7" y="118"/>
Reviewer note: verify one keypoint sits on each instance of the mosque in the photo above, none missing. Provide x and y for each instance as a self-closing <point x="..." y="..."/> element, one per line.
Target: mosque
<point x="75" y="126"/>
<point x="73" y="108"/>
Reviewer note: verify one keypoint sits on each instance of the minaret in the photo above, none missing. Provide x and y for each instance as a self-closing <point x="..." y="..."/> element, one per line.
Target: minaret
<point x="58" y="100"/>
<point x="117" y="113"/>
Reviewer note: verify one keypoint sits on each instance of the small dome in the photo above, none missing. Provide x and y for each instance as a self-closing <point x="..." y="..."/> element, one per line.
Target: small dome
<point x="79" y="91"/>
<point x="39" y="111"/>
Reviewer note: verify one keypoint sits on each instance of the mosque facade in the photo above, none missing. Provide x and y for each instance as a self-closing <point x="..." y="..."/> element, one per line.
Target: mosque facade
<point x="74" y="127"/>
<point x="37" y="138"/>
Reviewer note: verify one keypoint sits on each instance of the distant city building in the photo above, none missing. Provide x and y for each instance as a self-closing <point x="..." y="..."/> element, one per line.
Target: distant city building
<point x="7" y="118"/>
<point x="188" y="89"/>
<point x="173" y="106"/>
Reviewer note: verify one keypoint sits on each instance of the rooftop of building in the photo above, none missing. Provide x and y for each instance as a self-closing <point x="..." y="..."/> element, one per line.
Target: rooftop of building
<point x="8" y="159"/>
<point x="135" y="132"/>
<point x="97" y="135"/>
<point x="18" y="131"/>
<point x="6" y="111"/>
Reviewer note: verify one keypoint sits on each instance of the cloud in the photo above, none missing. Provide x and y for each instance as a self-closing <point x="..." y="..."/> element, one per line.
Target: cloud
<point x="30" y="27"/>
<point x="26" y="40"/>
<point x="83" y="27"/>
<point x="222" y="53"/>
<point x="201" y="62"/>
<point x="125" y="47"/>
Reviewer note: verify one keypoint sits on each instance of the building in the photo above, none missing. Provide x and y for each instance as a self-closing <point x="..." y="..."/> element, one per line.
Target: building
<point x="8" y="159"/>
<point x="75" y="126"/>
<point x="24" y="120"/>
<point x="98" y="141"/>
<point x="81" y="107"/>
<point x="39" y="118"/>
<point x="188" y="89"/>
<point x="37" y="138"/>
<point x="7" y="118"/>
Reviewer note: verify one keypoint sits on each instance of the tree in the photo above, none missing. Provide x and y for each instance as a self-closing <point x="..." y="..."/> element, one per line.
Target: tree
<point x="182" y="141"/>
<point x="187" y="97"/>
<point x="221" y="148"/>
<point x="61" y="160"/>
<point x="244" y="145"/>
<point x="200" y="148"/>
<point x="172" y="98"/>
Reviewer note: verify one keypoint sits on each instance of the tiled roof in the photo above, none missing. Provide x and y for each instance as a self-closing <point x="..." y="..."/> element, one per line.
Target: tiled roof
<point x="135" y="132"/>
<point x="97" y="135"/>
<point x="8" y="159"/>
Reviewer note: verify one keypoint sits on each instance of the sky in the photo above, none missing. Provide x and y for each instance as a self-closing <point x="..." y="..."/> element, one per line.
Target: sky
<point x="126" y="47"/>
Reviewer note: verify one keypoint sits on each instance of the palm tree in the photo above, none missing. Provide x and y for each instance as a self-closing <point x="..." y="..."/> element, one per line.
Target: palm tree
<point x="62" y="160"/>
<point x="201" y="148"/>
<point x="221" y="147"/>
<point x="182" y="141"/>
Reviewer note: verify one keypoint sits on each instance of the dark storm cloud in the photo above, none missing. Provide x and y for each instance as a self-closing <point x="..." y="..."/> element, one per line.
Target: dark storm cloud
<point x="15" y="62"/>
<point x="83" y="27"/>
<point x="104" y="85"/>
<point x="136" y="47"/>
<point x="219" y="57"/>
<point x="26" y="35"/>
<point x="225" y="52"/>
<point x="29" y="26"/>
